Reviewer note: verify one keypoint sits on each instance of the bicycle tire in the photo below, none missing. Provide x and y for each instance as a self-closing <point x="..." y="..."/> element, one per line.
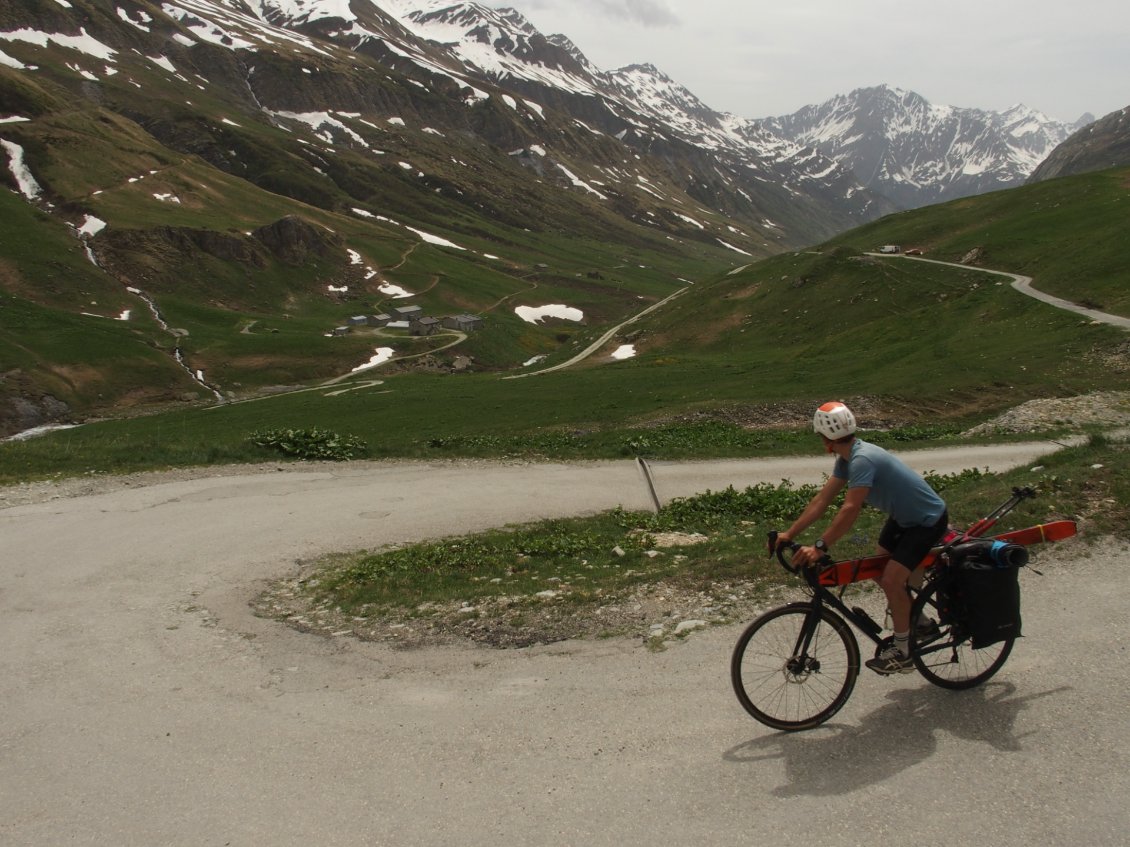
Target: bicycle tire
<point x="949" y="660"/>
<point x="794" y="693"/>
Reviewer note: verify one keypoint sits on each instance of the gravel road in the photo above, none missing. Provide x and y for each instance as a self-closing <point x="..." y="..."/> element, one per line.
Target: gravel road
<point x="143" y="704"/>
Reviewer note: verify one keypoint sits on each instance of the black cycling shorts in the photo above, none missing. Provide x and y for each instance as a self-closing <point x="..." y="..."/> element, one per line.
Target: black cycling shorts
<point x="908" y="545"/>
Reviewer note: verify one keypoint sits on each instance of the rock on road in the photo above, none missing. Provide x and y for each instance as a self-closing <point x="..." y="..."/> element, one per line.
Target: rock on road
<point x="141" y="703"/>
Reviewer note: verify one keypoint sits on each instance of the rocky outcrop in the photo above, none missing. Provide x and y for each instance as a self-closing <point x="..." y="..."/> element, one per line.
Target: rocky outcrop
<point x="22" y="412"/>
<point x="293" y="240"/>
<point x="1101" y="145"/>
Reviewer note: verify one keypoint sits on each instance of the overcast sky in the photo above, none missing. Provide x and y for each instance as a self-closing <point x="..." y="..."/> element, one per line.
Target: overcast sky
<point x="759" y="59"/>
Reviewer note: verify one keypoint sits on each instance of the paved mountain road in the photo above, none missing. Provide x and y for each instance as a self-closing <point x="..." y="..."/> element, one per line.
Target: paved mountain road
<point x="1023" y="284"/>
<point x="142" y="704"/>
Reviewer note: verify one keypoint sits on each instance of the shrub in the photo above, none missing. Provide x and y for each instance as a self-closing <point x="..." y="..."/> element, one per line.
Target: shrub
<point x="311" y="443"/>
<point x="711" y="510"/>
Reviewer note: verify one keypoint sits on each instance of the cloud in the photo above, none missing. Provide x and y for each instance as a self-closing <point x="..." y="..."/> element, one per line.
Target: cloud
<point x="649" y="13"/>
<point x="646" y="12"/>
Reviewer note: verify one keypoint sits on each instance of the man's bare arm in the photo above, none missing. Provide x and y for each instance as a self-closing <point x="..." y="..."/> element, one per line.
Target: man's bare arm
<point x="816" y="507"/>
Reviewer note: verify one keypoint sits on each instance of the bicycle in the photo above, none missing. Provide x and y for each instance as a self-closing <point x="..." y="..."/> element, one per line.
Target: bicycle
<point x="795" y="666"/>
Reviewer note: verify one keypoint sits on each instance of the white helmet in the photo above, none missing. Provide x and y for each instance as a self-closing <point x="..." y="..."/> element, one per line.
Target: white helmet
<point x="834" y="420"/>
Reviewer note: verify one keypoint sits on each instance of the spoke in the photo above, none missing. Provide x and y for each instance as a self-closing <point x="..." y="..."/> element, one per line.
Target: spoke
<point x="793" y="696"/>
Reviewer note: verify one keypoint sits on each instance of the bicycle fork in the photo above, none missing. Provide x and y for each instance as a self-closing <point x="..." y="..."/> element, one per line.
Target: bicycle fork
<point x="801" y="664"/>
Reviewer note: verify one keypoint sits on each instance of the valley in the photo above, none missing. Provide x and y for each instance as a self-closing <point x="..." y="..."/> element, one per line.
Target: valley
<point x="229" y="188"/>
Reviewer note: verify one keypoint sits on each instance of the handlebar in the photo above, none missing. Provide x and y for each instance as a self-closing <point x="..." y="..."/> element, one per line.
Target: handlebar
<point x="778" y="549"/>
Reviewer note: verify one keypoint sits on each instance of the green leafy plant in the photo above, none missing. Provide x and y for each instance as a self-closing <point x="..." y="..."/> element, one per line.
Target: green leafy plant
<point x="940" y="482"/>
<point x="311" y="443"/>
<point x="764" y="502"/>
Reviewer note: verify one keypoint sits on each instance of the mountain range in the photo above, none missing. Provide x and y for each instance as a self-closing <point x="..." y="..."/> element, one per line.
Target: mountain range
<point x="893" y="142"/>
<point x="803" y="172"/>
<point x="916" y="153"/>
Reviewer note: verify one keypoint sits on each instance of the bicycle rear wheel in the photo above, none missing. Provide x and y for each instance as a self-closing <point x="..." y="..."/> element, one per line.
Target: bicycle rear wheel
<point x="948" y="659"/>
<point x="786" y="686"/>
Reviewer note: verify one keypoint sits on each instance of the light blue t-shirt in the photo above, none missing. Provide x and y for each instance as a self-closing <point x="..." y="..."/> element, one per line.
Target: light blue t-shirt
<point x="895" y="488"/>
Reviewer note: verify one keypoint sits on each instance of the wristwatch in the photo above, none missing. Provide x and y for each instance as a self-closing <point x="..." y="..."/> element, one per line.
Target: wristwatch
<point x="820" y="545"/>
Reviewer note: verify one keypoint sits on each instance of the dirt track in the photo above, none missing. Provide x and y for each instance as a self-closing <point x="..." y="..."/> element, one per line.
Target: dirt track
<point x="143" y="704"/>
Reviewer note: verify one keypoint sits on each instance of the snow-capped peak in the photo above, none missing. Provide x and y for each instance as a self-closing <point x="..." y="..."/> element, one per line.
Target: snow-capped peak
<point x="916" y="152"/>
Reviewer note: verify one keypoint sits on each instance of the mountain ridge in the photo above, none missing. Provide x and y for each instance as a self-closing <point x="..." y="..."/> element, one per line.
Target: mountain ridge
<point x="1099" y="145"/>
<point x="917" y="153"/>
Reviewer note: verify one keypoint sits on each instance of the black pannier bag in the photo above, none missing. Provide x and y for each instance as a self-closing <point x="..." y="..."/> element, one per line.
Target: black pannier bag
<point x="986" y="590"/>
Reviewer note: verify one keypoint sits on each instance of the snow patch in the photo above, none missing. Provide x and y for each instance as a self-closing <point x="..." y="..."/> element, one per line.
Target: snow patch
<point x="91" y="226"/>
<point x="435" y="239"/>
<point x="29" y="188"/>
<point x="140" y="23"/>
<point x="536" y="314"/>
<point x="380" y="356"/>
<point x="394" y="291"/>
<point x="162" y="62"/>
<point x="82" y="42"/>
<point x="8" y="62"/>
<point x="732" y="247"/>
<point x="580" y="183"/>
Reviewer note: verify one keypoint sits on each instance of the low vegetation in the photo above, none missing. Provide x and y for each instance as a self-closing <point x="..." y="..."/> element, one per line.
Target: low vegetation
<point x="572" y="578"/>
<point x="314" y="444"/>
<point x="249" y="433"/>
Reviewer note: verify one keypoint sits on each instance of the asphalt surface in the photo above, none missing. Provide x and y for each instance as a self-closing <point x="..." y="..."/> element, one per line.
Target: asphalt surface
<point x="141" y="703"/>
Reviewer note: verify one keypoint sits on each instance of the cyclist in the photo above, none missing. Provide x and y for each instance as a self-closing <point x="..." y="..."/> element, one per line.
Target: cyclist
<point x="916" y="519"/>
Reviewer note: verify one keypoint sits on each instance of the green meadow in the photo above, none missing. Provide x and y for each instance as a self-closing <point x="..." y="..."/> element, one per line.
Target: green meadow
<point x="934" y="348"/>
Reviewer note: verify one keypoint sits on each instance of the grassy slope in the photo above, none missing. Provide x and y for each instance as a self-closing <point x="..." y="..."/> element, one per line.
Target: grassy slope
<point x="58" y="327"/>
<point x="91" y="159"/>
<point x="1069" y="234"/>
<point x="924" y="338"/>
<point x="808" y="325"/>
<point x="213" y="300"/>
<point x="981" y="345"/>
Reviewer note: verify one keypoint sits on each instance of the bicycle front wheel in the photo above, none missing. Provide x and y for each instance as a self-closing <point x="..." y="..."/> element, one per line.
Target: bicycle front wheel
<point x="794" y="668"/>
<point x="947" y="657"/>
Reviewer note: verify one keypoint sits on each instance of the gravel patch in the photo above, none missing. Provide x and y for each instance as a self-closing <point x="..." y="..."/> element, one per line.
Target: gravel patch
<point x="1103" y="408"/>
<point x="655" y="613"/>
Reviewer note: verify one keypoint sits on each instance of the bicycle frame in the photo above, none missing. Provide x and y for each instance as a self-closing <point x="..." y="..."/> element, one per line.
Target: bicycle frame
<point x="821" y="597"/>
<point x="827" y="573"/>
<point x="871" y="567"/>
